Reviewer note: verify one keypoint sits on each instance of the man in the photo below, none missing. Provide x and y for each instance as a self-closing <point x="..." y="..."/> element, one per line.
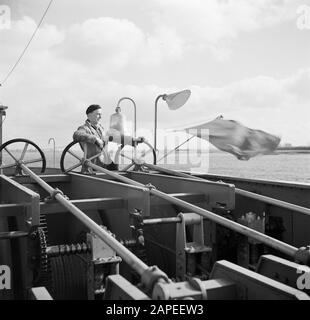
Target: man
<point x="92" y="135"/>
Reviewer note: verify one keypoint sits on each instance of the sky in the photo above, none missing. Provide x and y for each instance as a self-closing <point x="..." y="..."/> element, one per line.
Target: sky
<point x="248" y="60"/>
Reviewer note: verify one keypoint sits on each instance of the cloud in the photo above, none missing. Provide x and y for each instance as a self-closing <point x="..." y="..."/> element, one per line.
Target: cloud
<point x="105" y="41"/>
<point x="21" y="31"/>
<point x="298" y="85"/>
<point x="15" y="41"/>
<point x="112" y="44"/>
<point x="214" y="24"/>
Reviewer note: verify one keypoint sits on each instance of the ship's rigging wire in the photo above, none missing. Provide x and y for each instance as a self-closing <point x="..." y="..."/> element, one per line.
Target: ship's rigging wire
<point x="28" y="44"/>
<point x="166" y="154"/>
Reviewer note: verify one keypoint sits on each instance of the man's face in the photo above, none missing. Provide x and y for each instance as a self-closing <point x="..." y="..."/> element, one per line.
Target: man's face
<point x="95" y="116"/>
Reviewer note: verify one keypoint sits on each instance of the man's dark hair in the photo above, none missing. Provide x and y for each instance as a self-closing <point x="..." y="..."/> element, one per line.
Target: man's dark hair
<point x="92" y="108"/>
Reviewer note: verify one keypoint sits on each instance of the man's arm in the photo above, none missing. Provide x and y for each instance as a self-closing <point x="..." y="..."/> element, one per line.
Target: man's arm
<point x="81" y="135"/>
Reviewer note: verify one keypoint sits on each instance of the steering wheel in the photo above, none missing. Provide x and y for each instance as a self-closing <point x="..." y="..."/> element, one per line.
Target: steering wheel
<point x="138" y="154"/>
<point x="24" y="151"/>
<point x="73" y="157"/>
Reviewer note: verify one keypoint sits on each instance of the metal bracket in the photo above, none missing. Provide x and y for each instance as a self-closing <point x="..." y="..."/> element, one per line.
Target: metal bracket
<point x="150" y="186"/>
<point x="303" y="256"/>
<point x="137" y="226"/>
<point x="187" y="253"/>
<point x="103" y="262"/>
<point x="195" y="289"/>
<point x="249" y="250"/>
<point x="52" y="196"/>
<point x="151" y="276"/>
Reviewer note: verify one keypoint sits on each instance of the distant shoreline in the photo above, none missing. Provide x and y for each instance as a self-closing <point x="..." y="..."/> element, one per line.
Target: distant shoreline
<point x="294" y="148"/>
<point x="290" y="151"/>
<point x="280" y="150"/>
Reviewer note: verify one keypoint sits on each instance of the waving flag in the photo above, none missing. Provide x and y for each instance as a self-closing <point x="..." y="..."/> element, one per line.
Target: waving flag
<point x="233" y="137"/>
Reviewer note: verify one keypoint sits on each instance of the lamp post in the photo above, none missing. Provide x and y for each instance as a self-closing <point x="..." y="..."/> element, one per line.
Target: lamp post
<point x="135" y="112"/>
<point x="174" y="101"/>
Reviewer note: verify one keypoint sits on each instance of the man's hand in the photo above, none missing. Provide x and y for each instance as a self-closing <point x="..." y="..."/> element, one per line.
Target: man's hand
<point x="139" y="139"/>
<point x="99" y="143"/>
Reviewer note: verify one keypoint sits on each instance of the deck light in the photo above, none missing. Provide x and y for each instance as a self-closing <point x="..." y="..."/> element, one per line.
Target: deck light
<point x="174" y="101"/>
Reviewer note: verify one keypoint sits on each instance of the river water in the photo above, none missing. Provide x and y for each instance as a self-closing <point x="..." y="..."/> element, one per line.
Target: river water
<point x="293" y="167"/>
<point x="287" y="167"/>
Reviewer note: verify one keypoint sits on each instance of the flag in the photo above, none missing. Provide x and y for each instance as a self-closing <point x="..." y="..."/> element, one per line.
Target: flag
<point x="235" y="138"/>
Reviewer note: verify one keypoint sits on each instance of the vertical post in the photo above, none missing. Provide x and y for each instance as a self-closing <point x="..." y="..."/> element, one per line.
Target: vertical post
<point x="54" y="150"/>
<point x="155" y="123"/>
<point x="2" y="114"/>
<point x="135" y="112"/>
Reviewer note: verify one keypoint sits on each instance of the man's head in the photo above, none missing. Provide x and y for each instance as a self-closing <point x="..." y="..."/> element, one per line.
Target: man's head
<point x="93" y="113"/>
<point x="118" y="109"/>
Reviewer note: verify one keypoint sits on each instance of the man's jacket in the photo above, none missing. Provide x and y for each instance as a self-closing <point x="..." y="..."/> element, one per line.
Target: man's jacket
<point x="87" y="136"/>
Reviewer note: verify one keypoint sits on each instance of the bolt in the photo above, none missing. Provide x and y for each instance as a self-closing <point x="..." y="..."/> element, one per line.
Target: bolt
<point x="33" y="235"/>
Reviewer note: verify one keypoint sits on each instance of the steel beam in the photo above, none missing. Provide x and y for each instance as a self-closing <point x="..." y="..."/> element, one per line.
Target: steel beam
<point x="283" y="271"/>
<point x="118" y="288"/>
<point x="254" y="286"/>
<point x="12" y="210"/>
<point x="86" y="186"/>
<point x="18" y="194"/>
<point x="83" y="204"/>
<point x="53" y="178"/>
<point x="217" y="195"/>
<point x="39" y="293"/>
<point x="188" y="197"/>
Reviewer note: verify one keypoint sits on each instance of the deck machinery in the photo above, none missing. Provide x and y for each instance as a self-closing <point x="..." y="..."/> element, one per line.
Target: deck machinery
<point x="149" y="233"/>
